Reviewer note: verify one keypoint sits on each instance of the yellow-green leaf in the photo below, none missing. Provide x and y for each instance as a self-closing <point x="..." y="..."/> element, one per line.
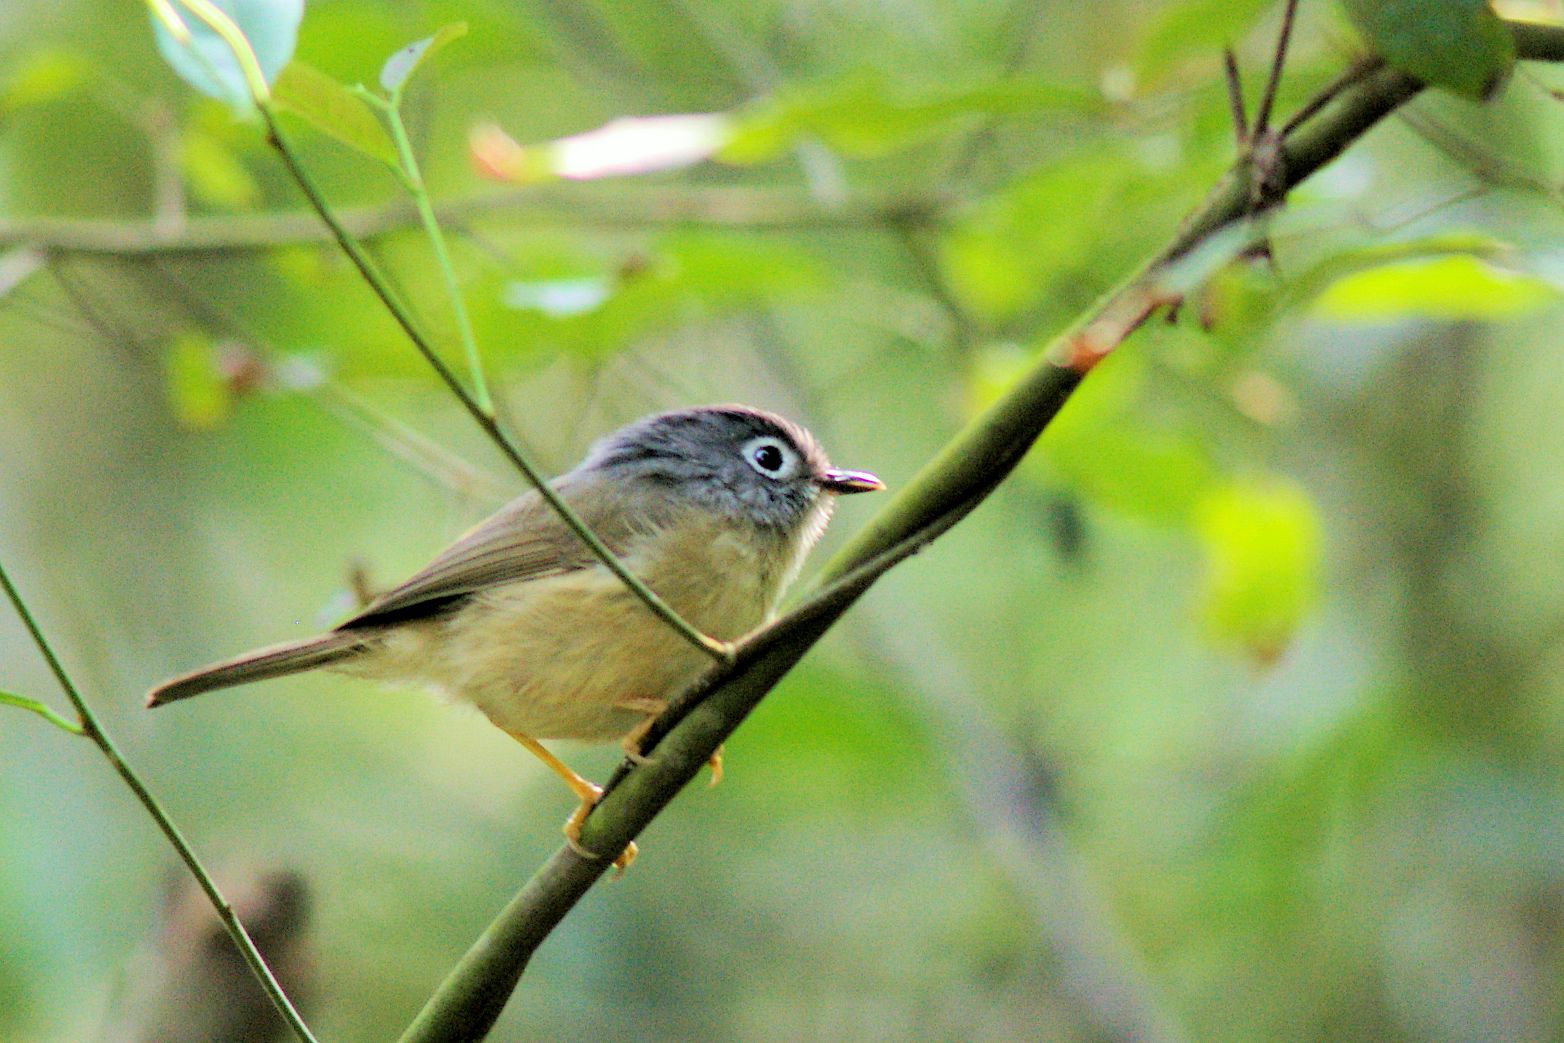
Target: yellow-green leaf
<point x="197" y="391"/>
<point x="1453" y="287"/>
<point x="333" y="110"/>
<point x="1263" y="557"/>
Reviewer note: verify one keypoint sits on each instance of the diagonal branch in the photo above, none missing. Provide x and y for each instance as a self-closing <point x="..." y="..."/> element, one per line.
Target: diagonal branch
<point x="954" y="482"/>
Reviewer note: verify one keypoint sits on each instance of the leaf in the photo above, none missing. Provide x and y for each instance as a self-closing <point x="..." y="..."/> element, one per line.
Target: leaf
<point x="206" y="62"/>
<point x="214" y="174"/>
<point x="333" y="110"/>
<point x="629" y="145"/>
<point x="1194" y="28"/>
<point x="1262" y="547"/>
<point x="1460" y="45"/>
<point x="864" y="115"/>
<point x="1453" y="287"/>
<point x="1105" y="447"/>
<point x="42" y="78"/>
<point x="198" y="391"/>
<point x="400" y="67"/>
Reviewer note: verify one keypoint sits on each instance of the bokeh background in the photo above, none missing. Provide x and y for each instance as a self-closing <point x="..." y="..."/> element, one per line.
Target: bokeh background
<point x="1237" y="714"/>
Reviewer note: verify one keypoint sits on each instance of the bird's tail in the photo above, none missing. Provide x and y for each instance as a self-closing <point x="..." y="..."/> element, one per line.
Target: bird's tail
<point x="272" y="661"/>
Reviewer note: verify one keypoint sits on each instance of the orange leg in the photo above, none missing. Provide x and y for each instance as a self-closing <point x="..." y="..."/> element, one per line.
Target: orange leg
<point x="653" y="708"/>
<point x="588" y="793"/>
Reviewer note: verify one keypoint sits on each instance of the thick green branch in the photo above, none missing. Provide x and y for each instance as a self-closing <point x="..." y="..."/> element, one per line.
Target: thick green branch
<point x="954" y="482"/>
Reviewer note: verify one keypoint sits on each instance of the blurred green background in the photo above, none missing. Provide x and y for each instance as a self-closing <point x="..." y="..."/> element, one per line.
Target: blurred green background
<point x="1236" y="714"/>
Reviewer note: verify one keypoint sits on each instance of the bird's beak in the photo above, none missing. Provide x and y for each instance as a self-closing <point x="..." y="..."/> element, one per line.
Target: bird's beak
<point x="844" y="482"/>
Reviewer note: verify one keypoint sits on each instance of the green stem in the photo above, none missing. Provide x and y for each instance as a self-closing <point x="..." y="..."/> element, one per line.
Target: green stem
<point x="413" y="178"/>
<point x="93" y="730"/>
<point x="485" y="419"/>
<point x="34" y="706"/>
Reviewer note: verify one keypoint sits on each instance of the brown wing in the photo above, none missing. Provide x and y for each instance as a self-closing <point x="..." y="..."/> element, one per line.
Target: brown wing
<point x="525" y="539"/>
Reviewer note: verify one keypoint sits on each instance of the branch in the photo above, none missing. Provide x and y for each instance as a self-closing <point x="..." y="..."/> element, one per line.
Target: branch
<point x="86" y="724"/>
<point x="577" y="206"/>
<point x="955" y="481"/>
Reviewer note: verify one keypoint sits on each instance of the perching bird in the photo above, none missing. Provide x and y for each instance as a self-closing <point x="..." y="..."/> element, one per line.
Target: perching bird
<point x="713" y="508"/>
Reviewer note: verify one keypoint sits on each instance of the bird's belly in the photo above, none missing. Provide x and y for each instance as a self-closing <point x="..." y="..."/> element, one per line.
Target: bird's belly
<point x="558" y="658"/>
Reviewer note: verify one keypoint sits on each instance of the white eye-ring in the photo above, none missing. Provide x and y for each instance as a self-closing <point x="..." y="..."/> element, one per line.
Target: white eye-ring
<point x="770" y="456"/>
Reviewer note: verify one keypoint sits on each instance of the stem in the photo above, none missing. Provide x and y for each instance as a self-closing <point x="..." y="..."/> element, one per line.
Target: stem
<point x="483" y="417"/>
<point x="90" y="727"/>
<point x="414" y="180"/>
<point x="34" y="706"/>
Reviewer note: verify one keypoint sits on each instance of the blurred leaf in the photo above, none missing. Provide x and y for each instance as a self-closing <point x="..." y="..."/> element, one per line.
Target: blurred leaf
<point x="1262" y="547"/>
<point x="1105" y="447"/>
<point x="559" y="298"/>
<point x="197" y="389"/>
<point x="400" y="66"/>
<point x="1002" y="254"/>
<point x="214" y="172"/>
<point x="207" y="64"/>
<point x="333" y="110"/>
<point x="41" y="78"/>
<point x="1195" y="28"/>
<point x="688" y="277"/>
<point x="866" y="115"/>
<point x="1452" y="287"/>
<point x="1460" y="45"/>
<point x="628" y="145"/>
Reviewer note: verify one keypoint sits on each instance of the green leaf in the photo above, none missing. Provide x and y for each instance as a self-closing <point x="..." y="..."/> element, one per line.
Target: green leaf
<point x="400" y="67"/>
<point x="1460" y="45"/>
<point x="206" y="63"/>
<point x="1263" y="559"/>
<point x="214" y="173"/>
<point x="864" y="115"/>
<point x="1105" y="446"/>
<point x="197" y="390"/>
<point x="1194" y="28"/>
<point x="1002" y="254"/>
<point x="333" y="110"/>
<point x="42" y="78"/>
<point x="1453" y="287"/>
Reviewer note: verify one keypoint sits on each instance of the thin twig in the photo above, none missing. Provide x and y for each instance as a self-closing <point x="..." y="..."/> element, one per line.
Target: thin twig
<point x="90" y="728"/>
<point x="1235" y="97"/>
<point x="1262" y="116"/>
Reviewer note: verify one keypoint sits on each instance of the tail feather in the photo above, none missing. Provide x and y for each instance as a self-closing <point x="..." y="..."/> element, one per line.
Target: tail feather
<point x="272" y="661"/>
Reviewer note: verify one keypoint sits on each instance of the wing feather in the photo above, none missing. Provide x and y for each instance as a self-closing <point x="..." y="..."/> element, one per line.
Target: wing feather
<point x="526" y="539"/>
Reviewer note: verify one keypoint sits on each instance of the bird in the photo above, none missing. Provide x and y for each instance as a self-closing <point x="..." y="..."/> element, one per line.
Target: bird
<point x="713" y="508"/>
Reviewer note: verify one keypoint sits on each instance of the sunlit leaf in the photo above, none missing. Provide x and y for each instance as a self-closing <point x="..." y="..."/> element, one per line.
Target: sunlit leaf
<point x="333" y="110"/>
<point x="1460" y="45"/>
<point x="1453" y="287"/>
<point x="198" y="393"/>
<point x="206" y="62"/>
<point x="400" y="67"/>
<point x="42" y="78"/>
<point x="629" y="145"/>
<point x="1262" y="547"/>
<point x="214" y="173"/>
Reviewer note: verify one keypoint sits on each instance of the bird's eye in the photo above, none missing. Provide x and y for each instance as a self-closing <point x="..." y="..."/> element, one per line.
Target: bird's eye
<point x="771" y="457"/>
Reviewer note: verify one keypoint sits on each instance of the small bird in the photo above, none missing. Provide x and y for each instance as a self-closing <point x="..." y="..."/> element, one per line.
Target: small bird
<point x="713" y="508"/>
